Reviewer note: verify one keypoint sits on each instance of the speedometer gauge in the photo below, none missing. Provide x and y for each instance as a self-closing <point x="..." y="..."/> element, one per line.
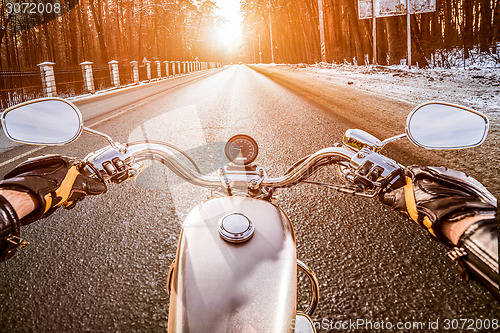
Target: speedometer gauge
<point x="241" y="149"/>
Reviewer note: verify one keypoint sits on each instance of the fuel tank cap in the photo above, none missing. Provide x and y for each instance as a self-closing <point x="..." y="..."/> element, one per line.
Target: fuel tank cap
<point x="236" y="228"/>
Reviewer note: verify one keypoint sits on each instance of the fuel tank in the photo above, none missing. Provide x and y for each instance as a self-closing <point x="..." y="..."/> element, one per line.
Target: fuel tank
<point x="219" y="286"/>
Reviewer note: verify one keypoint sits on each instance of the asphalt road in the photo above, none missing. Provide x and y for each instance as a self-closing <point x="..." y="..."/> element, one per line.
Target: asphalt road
<point x="102" y="266"/>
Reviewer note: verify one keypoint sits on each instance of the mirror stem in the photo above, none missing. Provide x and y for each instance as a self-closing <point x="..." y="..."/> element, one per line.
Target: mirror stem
<point x="111" y="142"/>
<point x="393" y="138"/>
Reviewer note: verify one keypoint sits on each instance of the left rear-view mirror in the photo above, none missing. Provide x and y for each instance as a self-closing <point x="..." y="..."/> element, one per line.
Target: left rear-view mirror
<point x="47" y="121"/>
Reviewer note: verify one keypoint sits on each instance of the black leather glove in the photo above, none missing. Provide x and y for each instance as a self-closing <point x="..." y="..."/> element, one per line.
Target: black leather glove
<point x="10" y="230"/>
<point x="433" y="195"/>
<point x="55" y="181"/>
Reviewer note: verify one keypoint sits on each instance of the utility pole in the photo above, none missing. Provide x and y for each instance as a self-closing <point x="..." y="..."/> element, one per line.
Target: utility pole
<point x="253" y="51"/>
<point x="260" y="52"/>
<point x="408" y="33"/>
<point x="322" y="31"/>
<point x="374" y="4"/>
<point x="271" y="35"/>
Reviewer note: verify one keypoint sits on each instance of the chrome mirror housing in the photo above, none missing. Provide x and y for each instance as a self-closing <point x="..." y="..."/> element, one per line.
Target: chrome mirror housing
<point x="47" y="121"/>
<point x="439" y="125"/>
<point x="356" y="139"/>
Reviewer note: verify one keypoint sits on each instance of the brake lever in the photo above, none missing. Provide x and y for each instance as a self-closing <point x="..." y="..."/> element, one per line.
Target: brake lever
<point x="368" y="173"/>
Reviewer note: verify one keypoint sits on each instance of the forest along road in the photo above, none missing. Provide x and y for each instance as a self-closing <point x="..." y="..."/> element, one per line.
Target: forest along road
<point x="103" y="266"/>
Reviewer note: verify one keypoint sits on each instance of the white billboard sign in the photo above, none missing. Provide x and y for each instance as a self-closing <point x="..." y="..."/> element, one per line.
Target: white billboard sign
<point x="385" y="8"/>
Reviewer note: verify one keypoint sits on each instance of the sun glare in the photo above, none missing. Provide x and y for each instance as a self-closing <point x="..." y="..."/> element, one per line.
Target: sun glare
<point x="229" y="32"/>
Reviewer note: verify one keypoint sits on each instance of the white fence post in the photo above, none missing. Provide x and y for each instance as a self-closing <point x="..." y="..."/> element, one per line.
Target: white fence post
<point x="178" y="67"/>
<point x="88" y="76"/>
<point x="166" y="68"/>
<point x="114" y="73"/>
<point x="148" y="69"/>
<point x="48" y="78"/>
<point x="135" y="71"/>
<point x="173" y="68"/>
<point x="158" y="69"/>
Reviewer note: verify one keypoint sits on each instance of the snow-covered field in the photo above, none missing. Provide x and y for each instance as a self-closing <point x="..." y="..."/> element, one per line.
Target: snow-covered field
<point x="475" y="87"/>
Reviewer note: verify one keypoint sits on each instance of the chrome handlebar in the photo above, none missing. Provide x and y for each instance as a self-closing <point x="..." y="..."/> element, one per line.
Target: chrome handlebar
<point x="158" y="152"/>
<point x="365" y="169"/>
<point x="303" y="170"/>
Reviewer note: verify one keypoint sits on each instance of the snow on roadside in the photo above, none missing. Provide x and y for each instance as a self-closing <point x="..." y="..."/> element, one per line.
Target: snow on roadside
<point x="478" y="88"/>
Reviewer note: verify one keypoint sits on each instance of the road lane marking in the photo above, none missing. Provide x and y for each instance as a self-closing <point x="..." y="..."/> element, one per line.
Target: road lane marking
<point x="115" y="115"/>
<point x="15" y="158"/>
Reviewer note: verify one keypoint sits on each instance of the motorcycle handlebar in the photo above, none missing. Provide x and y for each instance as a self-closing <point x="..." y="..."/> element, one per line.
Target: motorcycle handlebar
<point x="161" y="153"/>
<point x="303" y="170"/>
<point x="156" y="151"/>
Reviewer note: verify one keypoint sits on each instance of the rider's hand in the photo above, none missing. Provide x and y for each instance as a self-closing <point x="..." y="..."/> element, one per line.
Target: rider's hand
<point x="436" y="196"/>
<point x="53" y="181"/>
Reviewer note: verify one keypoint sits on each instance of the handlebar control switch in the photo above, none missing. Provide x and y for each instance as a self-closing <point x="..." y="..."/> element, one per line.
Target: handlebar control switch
<point x="374" y="170"/>
<point x="120" y="166"/>
<point x="109" y="168"/>
<point x="116" y="169"/>
<point x="113" y="164"/>
<point x="121" y="170"/>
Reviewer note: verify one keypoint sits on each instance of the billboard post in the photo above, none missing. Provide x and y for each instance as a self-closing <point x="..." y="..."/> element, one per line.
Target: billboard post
<point x="408" y="34"/>
<point x="383" y="8"/>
